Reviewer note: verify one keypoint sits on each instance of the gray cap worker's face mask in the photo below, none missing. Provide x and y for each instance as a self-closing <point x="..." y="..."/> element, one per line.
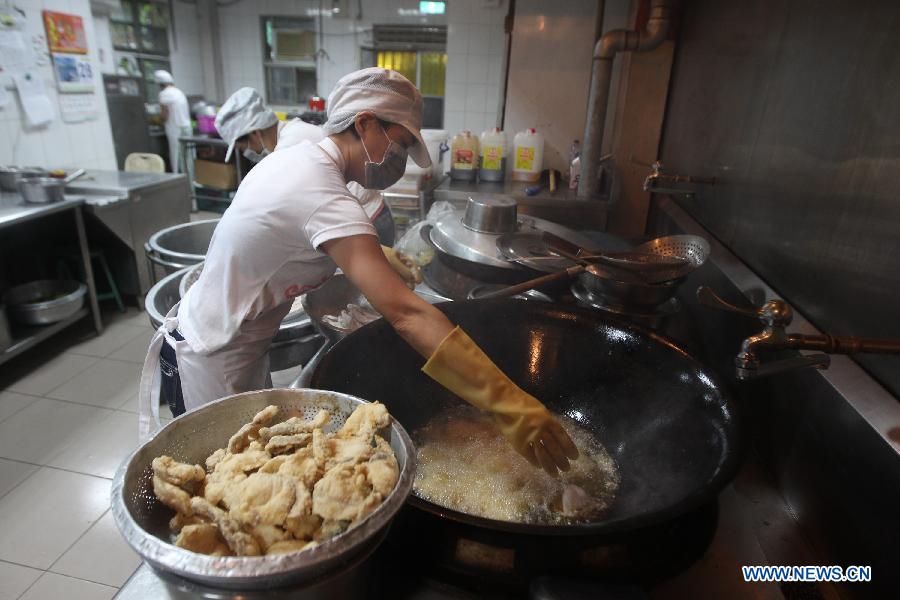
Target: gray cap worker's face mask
<point x="382" y="175"/>
<point x="254" y="156"/>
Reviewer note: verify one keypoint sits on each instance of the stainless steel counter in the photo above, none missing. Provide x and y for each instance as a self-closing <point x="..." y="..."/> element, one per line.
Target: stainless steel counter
<point x="14" y="210"/>
<point x="106" y="183"/>
<point x="132" y="207"/>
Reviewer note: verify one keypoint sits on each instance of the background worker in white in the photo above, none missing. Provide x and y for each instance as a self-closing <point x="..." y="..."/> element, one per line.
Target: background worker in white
<point x="175" y="114"/>
<point x="250" y="127"/>
<point x="291" y="223"/>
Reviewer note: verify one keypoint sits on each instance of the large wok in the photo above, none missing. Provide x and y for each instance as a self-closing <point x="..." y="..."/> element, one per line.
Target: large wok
<point x="664" y="417"/>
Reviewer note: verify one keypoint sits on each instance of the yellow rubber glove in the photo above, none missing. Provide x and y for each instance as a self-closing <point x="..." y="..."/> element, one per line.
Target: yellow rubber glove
<point x="405" y="268"/>
<point x="460" y="366"/>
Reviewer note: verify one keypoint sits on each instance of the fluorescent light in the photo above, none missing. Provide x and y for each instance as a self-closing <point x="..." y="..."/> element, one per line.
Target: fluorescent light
<point x="432" y="8"/>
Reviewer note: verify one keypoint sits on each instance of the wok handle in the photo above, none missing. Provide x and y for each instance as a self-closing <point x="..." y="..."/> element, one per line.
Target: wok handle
<point x="710" y="299"/>
<point x="533" y="283"/>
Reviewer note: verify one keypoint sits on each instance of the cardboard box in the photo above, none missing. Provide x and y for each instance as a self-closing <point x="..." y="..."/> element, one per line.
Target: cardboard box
<point x="222" y="176"/>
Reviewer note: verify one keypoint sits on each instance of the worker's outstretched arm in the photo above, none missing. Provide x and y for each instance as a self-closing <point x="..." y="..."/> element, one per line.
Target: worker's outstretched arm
<point x="453" y="359"/>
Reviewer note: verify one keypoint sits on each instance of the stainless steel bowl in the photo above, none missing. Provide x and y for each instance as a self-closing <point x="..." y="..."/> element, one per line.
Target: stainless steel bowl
<point x="628" y="293"/>
<point x="42" y="190"/>
<point x="491" y="214"/>
<point x="45" y="301"/>
<point x="10" y="176"/>
<point x="143" y="520"/>
<point x="182" y="245"/>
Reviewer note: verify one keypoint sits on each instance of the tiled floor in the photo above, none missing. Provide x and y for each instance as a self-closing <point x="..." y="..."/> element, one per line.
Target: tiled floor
<point x="68" y="416"/>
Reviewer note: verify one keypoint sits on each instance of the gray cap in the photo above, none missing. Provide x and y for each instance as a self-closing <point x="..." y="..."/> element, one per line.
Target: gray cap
<point x="242" y="113"/>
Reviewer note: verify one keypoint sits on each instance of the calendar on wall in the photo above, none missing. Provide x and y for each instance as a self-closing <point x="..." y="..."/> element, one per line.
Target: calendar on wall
<point x="72" y="66"/>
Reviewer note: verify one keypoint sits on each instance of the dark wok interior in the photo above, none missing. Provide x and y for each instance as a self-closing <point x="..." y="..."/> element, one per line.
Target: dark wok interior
<point x="668" y="423"/>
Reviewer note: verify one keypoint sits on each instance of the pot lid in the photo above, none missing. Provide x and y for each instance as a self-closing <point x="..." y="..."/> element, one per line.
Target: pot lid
<point x="452" y="237"/>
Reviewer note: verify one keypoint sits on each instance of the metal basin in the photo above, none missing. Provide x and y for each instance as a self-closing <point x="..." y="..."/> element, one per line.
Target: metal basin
<point x="628" y="294"/>
<point x="45" y="301"/>
<point x="180" y="246"/>
<point x="490" y="214"/>
<point x="42" y="190"/>
<point x="143" y="520"/>
<point x="10" y="176"/>
<point x="163" y="296"/>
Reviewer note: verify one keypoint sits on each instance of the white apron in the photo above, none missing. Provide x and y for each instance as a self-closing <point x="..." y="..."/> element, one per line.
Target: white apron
<point x="241" y="366"/>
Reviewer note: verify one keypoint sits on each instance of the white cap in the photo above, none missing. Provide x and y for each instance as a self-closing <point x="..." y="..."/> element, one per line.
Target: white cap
<point x="388" y="94"/>
<point x="162" y="76"/>
<point x="242" y="113"/>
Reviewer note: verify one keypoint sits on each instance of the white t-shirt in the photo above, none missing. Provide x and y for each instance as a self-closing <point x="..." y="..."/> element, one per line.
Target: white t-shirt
<point x="176" y="102"/>
<point x="264" y="251"/>
<point x="296" y="131"/>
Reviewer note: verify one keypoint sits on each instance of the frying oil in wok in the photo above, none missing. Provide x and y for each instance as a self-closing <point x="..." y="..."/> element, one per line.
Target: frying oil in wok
<point x="464" y="463"/>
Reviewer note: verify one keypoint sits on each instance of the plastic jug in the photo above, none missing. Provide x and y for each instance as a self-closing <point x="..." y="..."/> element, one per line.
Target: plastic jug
<point x="492" y="161"/>
<point x="464" y="156"/>
<point x="528" y="155"/>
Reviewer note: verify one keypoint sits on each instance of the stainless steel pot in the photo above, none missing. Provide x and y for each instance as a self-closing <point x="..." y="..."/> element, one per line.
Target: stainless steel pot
<point x="143" y="521"/>
<point x="45" y="301"/>
<point x="10" y="176"/>
<point x="627" y="293"/>
<point x="42" y="190"/>
<point x="163" y="296"/>
<point x="491" y="214"/>
<point x="180" y="246"/>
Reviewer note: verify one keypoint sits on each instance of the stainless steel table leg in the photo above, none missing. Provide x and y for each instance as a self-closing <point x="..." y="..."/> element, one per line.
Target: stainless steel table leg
<point x="88" y="270"/>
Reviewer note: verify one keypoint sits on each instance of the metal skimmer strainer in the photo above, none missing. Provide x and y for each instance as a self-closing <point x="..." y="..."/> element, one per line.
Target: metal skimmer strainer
<point x="143" y="520"/>
<point x="691" y="247"/>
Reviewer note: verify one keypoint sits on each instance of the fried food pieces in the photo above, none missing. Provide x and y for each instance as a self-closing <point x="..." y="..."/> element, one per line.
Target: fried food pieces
<point x="279" y="488"/>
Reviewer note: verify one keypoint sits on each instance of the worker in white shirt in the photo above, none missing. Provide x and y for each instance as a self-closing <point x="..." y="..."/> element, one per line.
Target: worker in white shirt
<point x="250" y="127"/>
<point x="175" y="114"/>
<point x="291" y="224"/>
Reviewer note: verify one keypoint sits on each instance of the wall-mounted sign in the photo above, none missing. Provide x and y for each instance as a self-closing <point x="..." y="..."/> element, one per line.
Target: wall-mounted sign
<point x="65" y="33"/>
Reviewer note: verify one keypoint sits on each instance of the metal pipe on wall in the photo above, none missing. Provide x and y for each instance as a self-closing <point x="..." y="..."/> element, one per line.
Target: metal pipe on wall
<point x="613" y="42"/>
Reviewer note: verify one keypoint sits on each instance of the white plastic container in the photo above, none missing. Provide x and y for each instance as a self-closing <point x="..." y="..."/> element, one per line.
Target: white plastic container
<point x="493" y="154"/>
<point x="528" y="155"/>
<point x="436" y="143"/>
<point x="464" y="156"/>
<point x="435" y="140"/>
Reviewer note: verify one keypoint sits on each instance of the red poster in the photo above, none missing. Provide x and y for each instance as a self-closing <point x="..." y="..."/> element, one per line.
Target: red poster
<point x="65" y="33"/>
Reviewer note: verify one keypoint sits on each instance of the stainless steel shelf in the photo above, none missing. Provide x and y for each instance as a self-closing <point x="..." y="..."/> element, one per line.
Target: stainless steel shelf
<point x="36" y="334"/>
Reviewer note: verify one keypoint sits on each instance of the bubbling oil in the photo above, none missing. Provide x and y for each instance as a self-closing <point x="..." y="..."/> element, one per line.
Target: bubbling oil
<point x="464" y="463"/>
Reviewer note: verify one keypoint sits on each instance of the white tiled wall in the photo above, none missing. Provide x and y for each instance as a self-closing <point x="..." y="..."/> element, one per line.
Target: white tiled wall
<point x="184" y="43"/>
<point x="476" y="45"/>
<point x="88" y="144"/>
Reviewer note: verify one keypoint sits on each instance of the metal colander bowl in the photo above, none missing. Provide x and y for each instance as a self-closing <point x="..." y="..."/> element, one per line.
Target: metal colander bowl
<point x="693" y="248"/>
<point x="143" y="520"/>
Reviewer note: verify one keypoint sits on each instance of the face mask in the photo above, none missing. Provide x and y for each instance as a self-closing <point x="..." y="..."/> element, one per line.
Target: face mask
<point x="380" y="176"/>
<point x="254" y="156"/>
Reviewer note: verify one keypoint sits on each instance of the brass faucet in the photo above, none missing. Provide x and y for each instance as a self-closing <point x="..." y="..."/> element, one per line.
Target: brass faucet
<point x="777" y="315"/>
<point x="657" y="176"/>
